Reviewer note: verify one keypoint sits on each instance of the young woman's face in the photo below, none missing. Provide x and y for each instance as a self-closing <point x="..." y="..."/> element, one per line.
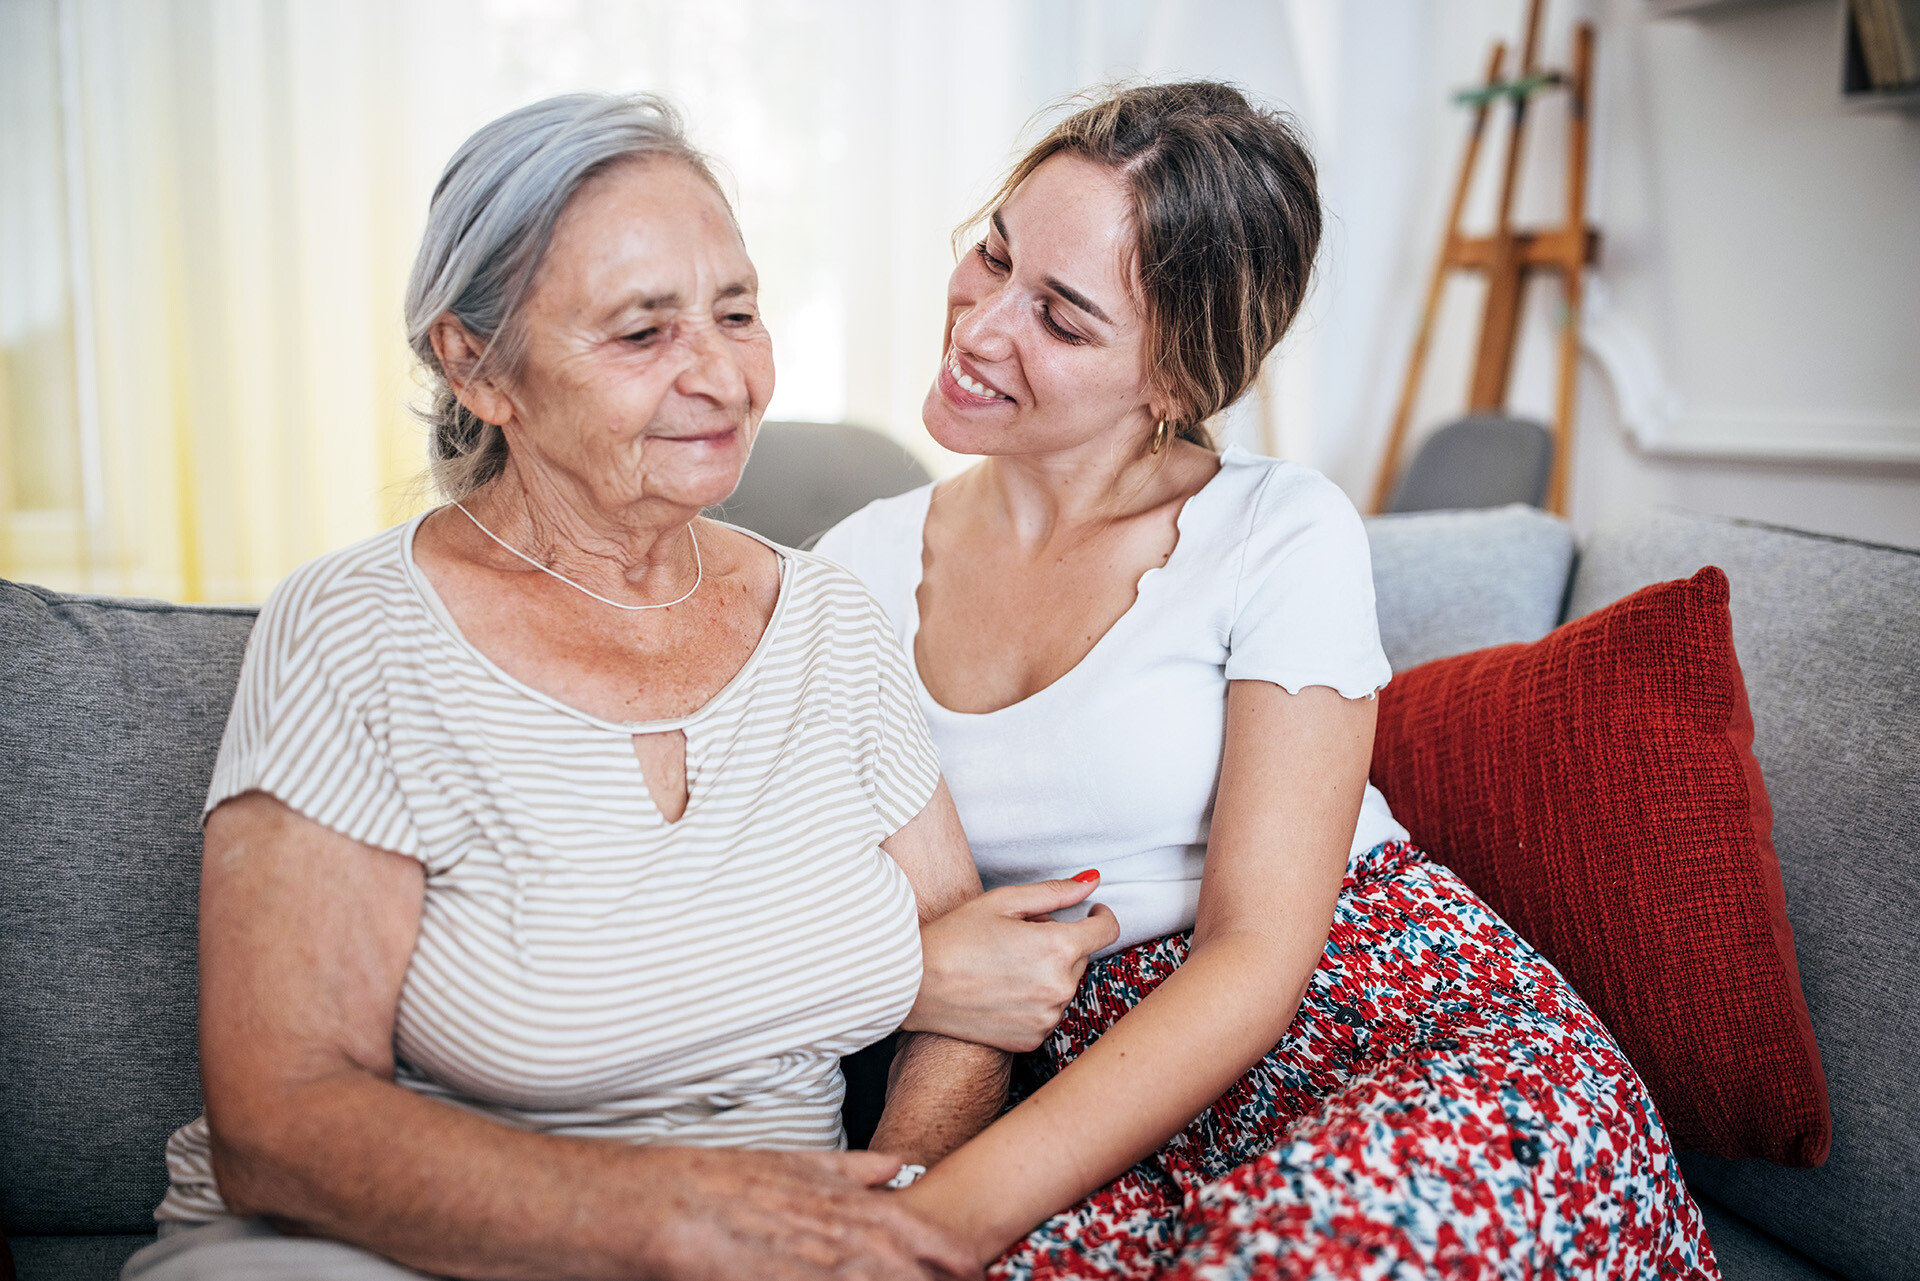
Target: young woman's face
<point x="1045" y="342"/>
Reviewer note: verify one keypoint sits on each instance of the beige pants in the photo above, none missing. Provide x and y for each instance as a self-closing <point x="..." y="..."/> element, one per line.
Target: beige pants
<point x="249" y="1250"/>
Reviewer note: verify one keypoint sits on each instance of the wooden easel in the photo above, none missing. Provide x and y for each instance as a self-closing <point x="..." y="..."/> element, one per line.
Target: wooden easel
<point x="1508" y="257"/>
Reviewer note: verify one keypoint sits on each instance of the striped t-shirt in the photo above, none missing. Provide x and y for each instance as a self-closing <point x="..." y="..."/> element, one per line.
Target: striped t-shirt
<point x="583" y="966"/>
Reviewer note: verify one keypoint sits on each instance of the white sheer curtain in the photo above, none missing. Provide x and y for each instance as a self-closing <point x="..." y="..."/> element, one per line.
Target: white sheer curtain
<point x="229" y="188"/>
<point x="207" y="209"/>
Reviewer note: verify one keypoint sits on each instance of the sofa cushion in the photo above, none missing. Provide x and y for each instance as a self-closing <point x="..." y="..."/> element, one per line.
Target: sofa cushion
<point x="1597" y="789"/>
<point x="110" y="714"/>
<point x="1829" y="637"/>
<point x="1745" y="1253"/>
<point x="1448" y="582"/>
<point x="76" y="1258"/>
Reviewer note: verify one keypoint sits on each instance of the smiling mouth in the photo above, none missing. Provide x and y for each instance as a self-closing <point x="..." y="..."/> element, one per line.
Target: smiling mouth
<point x="972" y="386"/>
<point x="709" y="437"/>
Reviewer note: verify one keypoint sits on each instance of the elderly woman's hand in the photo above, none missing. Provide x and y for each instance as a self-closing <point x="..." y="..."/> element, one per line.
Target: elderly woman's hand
<point x="793" y="1216"/>
<point x="999" y="972"/>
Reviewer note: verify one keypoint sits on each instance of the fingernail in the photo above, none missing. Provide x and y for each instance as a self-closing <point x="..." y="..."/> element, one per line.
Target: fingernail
<point x="1087" y="877"/>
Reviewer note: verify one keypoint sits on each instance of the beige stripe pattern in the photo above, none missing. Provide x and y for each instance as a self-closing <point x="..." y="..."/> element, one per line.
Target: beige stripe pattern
<point x="584" y="967"/>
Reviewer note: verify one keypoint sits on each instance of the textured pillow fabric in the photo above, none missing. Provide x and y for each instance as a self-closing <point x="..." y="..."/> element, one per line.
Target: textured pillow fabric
<point x="1599" y="790"/>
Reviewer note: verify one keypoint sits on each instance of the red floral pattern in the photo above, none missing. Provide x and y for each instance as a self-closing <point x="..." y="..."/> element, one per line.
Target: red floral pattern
<point x="1444" y="1105"/>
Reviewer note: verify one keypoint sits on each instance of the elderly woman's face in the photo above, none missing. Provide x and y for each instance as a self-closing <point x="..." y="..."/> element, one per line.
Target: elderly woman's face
<point x="647" y="366"/>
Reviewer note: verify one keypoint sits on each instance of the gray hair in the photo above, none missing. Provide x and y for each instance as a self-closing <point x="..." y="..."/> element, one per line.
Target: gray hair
<point x="488" y="229"/>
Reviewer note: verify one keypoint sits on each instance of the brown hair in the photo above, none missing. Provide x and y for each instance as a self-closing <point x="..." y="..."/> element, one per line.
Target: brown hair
<point x="1226" y="215"/>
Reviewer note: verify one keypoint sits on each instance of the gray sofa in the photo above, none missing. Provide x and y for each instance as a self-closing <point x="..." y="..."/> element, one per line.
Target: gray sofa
<point x="111" y="710"/>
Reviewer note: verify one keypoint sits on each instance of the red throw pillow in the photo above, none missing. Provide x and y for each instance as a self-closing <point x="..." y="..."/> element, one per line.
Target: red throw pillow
<point x="1598" y="788"/>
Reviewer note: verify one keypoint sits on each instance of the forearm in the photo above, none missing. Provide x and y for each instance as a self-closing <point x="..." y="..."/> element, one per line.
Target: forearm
<point x="357" y="1158"/>
<point x="940" y="1093"/>
<point x="1145" y="1079"/>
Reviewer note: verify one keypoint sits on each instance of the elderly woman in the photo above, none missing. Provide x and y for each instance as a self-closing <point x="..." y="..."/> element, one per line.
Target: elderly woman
<point x="561" y="841"/>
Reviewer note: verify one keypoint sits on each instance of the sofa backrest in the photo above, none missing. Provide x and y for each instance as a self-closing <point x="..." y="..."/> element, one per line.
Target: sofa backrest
<point x="1452" y="581"/>
<point x="805" y="478"/>
<point x="110" y="714"/>
<point x="1828" y="635"/>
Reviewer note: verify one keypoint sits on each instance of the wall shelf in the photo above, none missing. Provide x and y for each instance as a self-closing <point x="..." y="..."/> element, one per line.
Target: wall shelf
<point x="1677" y="8"/>
<point x="1856" y="87"/>
<point x="1902" y="99"/>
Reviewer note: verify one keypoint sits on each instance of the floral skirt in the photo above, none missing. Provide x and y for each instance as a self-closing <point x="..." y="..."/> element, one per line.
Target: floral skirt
<point x="1444" y="1105"/>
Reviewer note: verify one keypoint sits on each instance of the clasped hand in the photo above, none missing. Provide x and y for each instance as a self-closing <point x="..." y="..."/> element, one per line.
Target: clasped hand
<point x="793" y="1216"/>
<point x="999" y="972"/>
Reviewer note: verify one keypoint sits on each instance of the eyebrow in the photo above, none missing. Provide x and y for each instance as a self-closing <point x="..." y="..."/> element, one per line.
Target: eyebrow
<point x="1054" y="283"/>
<point x="673" y="299"/>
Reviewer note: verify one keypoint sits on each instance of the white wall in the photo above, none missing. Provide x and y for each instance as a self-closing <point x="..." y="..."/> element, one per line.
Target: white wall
<point x="1759" y="288"/>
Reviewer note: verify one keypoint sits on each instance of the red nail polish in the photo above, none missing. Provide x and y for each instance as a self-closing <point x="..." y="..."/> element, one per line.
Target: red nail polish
<point x="1087" y="877"/>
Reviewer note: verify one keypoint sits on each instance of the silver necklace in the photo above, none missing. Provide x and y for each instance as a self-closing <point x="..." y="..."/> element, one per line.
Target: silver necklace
<point x="699" y="571"/>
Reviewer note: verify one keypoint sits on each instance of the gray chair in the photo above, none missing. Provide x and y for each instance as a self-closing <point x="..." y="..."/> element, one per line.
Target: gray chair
<point x="1487" y="460"/>
<point x="805" y="478"/>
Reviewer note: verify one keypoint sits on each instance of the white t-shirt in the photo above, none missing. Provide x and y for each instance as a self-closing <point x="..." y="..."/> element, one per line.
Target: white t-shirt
<point x="583" y="966"/>
<point x="1114" y="766"/>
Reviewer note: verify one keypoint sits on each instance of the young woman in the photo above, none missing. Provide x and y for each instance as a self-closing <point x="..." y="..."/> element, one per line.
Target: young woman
<point x="1309" y="1051"/>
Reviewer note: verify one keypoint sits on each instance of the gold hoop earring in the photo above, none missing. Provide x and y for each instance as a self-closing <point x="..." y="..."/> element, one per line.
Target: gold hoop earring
<point x="1162" y="435"/>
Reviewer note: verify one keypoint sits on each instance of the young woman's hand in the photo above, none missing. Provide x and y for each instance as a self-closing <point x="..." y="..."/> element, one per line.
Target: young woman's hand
<point x="999" y="972"/>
